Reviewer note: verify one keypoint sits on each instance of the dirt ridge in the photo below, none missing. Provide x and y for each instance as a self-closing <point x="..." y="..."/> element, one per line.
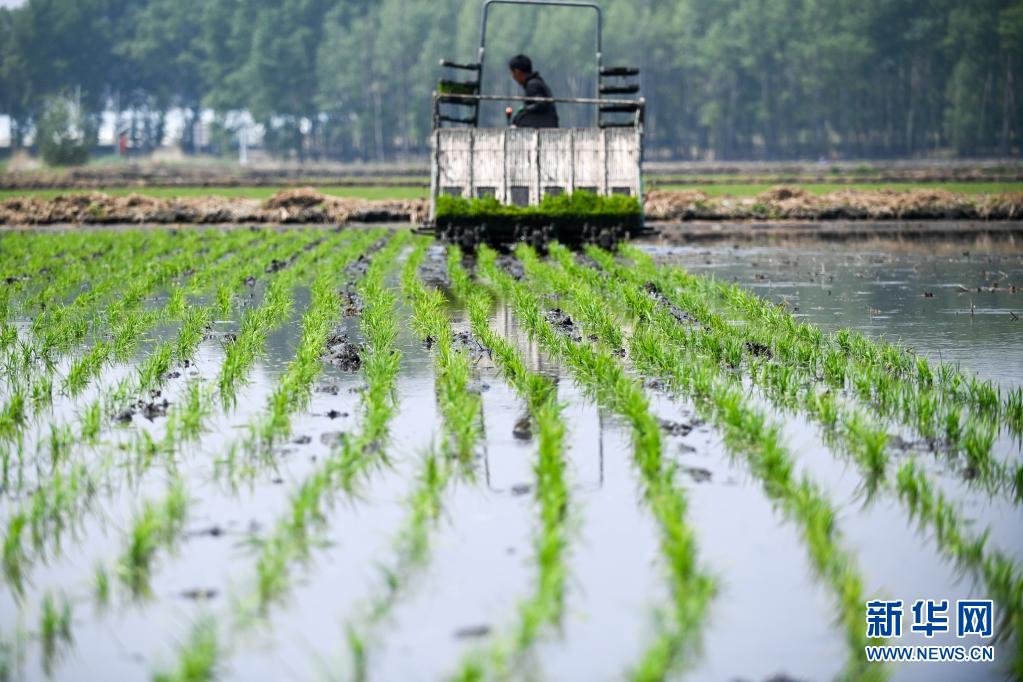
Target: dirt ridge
<point x="306" y="205"/>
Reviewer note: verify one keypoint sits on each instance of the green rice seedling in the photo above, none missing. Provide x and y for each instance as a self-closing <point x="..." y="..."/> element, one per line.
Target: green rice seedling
<point x="42" y="392"/>
<point x="152" y="371"/>
<point x="872" y="383"/>
<point x="412" y="551"/>
<point x="893" y="363"/>
<point x="12" y="416"/>
<point x="14" y="551"/>
<point x="871" y="444"/>
<point x="183" y="418"/>
<point x="293" y="389"/>
<point x="61" y="439"/>
<point x="657" y="347"/>
<point x="605" y="378"/>
<point x="158" y="525"/>
<point x="978" y="441"/>
<point x="101" y="586"/>
<point x="198" y="657"/>
<point x="54" y="627"/>
<point x="546" y="604"/>
<point x="460" y="407"/>
<point x="91" y="422"/>
<point x="999" y="573"/>
<point x="290" y="536"/>
<point x="1014" y="410"/>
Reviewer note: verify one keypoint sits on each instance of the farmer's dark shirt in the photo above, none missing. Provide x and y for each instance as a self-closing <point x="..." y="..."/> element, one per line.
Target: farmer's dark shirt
<point x="537" y="114"/>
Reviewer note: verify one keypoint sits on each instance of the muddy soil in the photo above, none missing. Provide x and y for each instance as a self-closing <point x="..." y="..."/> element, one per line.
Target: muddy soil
<point x="302" y="205"/>
<point x="148" y="174"/>
<point x="306" y="205"/>
<point x="792" y="203"/>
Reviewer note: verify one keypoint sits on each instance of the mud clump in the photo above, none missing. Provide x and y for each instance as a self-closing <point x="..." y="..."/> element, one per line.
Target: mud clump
<point x="512" y="266"/>
<point x="564" y="324"/>
<point x="793" y="203"/>
<point x="303" y="205"/>
<point x="673" y="428"/>
<point x="303" y="197"/>
<point x="342" y="353"/>
<point x="680" y="315"/>
<point x="760" y="350"/>
<point x="464" y="340"/>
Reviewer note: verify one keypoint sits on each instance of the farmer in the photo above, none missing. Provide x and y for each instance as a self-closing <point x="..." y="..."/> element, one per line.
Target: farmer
<point x="531" y="114"/>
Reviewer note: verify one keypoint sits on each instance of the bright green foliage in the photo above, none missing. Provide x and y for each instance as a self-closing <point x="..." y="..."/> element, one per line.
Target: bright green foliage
<point x="664" y="349"/>
<point x="545" y="606"/>
<point x="607" y="380"/>
<point x="54" y="627"/>
<point x="158" y="525"/>
<point x="289" y="539"/>
<point x="580" y="204"/>
<point x="460" y="407"/>
<point x="197" y="658"/>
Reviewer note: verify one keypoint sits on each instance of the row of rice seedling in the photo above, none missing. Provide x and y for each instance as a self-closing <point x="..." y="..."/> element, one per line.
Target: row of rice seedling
<point x="62" y="279"/>
<point x="257" y="322"/>
<point x="545" y="606"/>
<point x="791" y="380"/>
<point x="461" y="410"/>
<point x="602" y="375"/>
<point x="161" y="522"/>
<point x="128" y="324"/>
<point x="459" y="407"/>
<point x="158" y="524"/>
<point x="898" y="381"/>
<point x="51" y="506"/>
<point x="185" y="424"/>
<point x="153" y="369"/>
<point x="60" y="327"/>
<point x="658" y="352"/>
<point x="294" y="387"/>
<point x="289" y="539"/>
<point x="999" y="573"/>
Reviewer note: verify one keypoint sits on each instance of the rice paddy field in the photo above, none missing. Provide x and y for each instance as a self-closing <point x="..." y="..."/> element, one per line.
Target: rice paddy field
<point x="359" y="454"/>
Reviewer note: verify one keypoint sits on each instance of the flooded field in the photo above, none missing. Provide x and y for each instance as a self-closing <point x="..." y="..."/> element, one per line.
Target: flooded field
<point x="293" y="454"/>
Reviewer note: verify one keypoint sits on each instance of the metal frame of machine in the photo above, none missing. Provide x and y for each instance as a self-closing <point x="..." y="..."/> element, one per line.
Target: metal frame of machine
<point x="521" y="166"/>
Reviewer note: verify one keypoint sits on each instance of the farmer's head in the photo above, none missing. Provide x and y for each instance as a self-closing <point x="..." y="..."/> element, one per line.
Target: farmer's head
<point x="521" y="66"/>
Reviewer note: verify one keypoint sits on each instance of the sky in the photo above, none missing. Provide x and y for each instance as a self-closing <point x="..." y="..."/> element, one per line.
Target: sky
<point x="11" y="3"/>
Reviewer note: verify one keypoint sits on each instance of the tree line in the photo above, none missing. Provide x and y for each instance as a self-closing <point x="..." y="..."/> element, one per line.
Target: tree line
<point x="352" y="79"/>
